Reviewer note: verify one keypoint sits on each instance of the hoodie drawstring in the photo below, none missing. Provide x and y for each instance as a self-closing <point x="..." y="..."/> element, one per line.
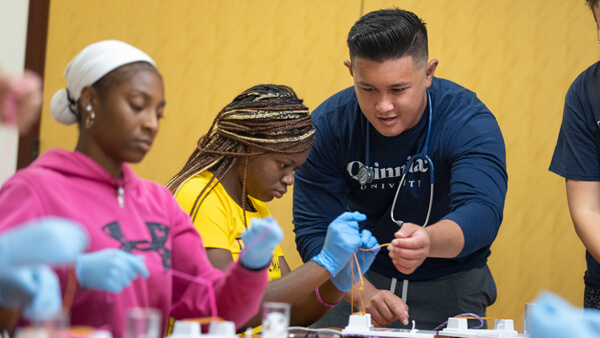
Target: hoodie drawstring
<point x="121" y="197"/>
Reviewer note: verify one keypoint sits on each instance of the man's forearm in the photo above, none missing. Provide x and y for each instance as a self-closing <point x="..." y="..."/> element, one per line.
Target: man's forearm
<point x="447" y="239"/>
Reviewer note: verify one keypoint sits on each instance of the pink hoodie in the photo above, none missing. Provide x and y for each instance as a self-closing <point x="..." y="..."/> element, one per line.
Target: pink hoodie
<point x="145" y="220"/>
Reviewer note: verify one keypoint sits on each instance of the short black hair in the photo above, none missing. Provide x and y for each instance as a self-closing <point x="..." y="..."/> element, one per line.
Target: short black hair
<point x="389" y="34"/>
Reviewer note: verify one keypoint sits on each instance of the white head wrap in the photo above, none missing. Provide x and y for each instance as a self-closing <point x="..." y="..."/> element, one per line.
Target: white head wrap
<point x="91" y="64"/>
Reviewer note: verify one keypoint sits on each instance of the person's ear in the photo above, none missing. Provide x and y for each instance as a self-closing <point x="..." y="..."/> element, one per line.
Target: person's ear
<point x="88" y="97"/>
<point x="430" y="71"/>
<point x="88" y="104"/>
<point x="348" y="65"/>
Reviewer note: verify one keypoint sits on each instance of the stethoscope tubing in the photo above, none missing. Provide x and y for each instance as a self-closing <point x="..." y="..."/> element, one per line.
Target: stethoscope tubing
<point x="423" y="154"/>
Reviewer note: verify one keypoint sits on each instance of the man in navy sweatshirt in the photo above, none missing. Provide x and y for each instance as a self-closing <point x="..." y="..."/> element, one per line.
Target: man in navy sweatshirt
<point x="424" y="159"/>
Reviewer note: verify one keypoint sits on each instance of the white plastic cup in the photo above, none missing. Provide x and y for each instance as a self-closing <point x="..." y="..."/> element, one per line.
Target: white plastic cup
<point x="222" y="329"/>
<point x="143" y="323"/>
<point x="275" y="320"/>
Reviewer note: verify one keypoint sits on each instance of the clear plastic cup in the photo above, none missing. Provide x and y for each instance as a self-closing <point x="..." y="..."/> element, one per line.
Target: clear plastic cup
<point x="143" y="323"/>
<point x="275" y="320"/>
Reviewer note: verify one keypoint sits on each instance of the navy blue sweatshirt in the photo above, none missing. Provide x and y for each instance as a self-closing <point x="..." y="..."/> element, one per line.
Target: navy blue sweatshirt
<point x="468" y="154"/>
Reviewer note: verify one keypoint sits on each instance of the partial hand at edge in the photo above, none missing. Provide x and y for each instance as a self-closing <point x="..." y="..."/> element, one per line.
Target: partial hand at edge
<point x="49" y="240"/>
<point x="36" y="289"/>
<point x="26" y="93"/>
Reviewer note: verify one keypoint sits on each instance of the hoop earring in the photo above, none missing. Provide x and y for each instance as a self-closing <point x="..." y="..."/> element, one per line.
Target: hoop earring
<point x="89" y="122"/>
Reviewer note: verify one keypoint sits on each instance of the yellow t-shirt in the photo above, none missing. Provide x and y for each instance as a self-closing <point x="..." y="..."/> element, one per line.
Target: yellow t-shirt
<point x="220" y="221"/>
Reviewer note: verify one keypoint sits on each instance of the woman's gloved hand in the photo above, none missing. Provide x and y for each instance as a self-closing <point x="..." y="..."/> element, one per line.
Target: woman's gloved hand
<point x="109" y="269"/>
<point x="260" y="239"/>
<point x="341" y="242"/>
<point x="34" y="288"/>
<point x="343" y="280"/>
<point x="49" y="240"/>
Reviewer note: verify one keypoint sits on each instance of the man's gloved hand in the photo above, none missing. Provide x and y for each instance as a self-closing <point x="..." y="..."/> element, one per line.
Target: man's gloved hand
<point x="36" y="288"/>
<point x="49" y="240"/>
<point x="341" y="242"/>
<point x="260" y="239"/>
<point x="343" y="280"/>
<point x="109" y="269"/>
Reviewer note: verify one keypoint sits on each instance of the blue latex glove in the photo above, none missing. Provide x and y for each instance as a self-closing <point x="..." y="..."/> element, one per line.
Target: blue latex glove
<point x="553" y="317"/>
<point x="109" y="269"/>
<point x="49" y="240"/>
<point x="36" y="288"/>
<point x="260" y="240"/>
<point x="343" y="280"/>
<point x="341" y="242"/>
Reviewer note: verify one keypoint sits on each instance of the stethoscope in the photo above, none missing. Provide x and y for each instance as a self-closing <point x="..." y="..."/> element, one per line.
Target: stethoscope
<point x="365" y="174"/>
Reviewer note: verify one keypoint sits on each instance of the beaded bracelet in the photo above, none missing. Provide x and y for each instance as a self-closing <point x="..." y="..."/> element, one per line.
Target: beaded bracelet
<point x="324" y="303"/>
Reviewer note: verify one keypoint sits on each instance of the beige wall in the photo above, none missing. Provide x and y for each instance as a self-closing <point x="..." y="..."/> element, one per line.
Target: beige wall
<point x="13" y="36"/>
<point x="519" y="56"/>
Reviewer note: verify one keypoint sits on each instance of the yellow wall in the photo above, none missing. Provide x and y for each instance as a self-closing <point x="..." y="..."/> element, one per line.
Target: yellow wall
<point x="519" y="56"/>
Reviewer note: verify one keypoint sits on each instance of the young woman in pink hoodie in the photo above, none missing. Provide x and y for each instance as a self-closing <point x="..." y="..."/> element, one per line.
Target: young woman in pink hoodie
<point x="143" y="250"/>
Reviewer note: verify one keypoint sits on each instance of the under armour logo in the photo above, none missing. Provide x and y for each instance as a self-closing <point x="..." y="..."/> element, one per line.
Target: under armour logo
<point x="159" y="233"/>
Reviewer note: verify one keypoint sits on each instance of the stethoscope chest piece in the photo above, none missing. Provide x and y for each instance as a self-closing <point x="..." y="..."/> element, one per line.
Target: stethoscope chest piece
<point x="365" y="175"/>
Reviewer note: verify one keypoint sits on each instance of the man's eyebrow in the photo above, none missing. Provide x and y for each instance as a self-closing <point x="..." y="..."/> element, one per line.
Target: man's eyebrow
<point x="399" y="84"/>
